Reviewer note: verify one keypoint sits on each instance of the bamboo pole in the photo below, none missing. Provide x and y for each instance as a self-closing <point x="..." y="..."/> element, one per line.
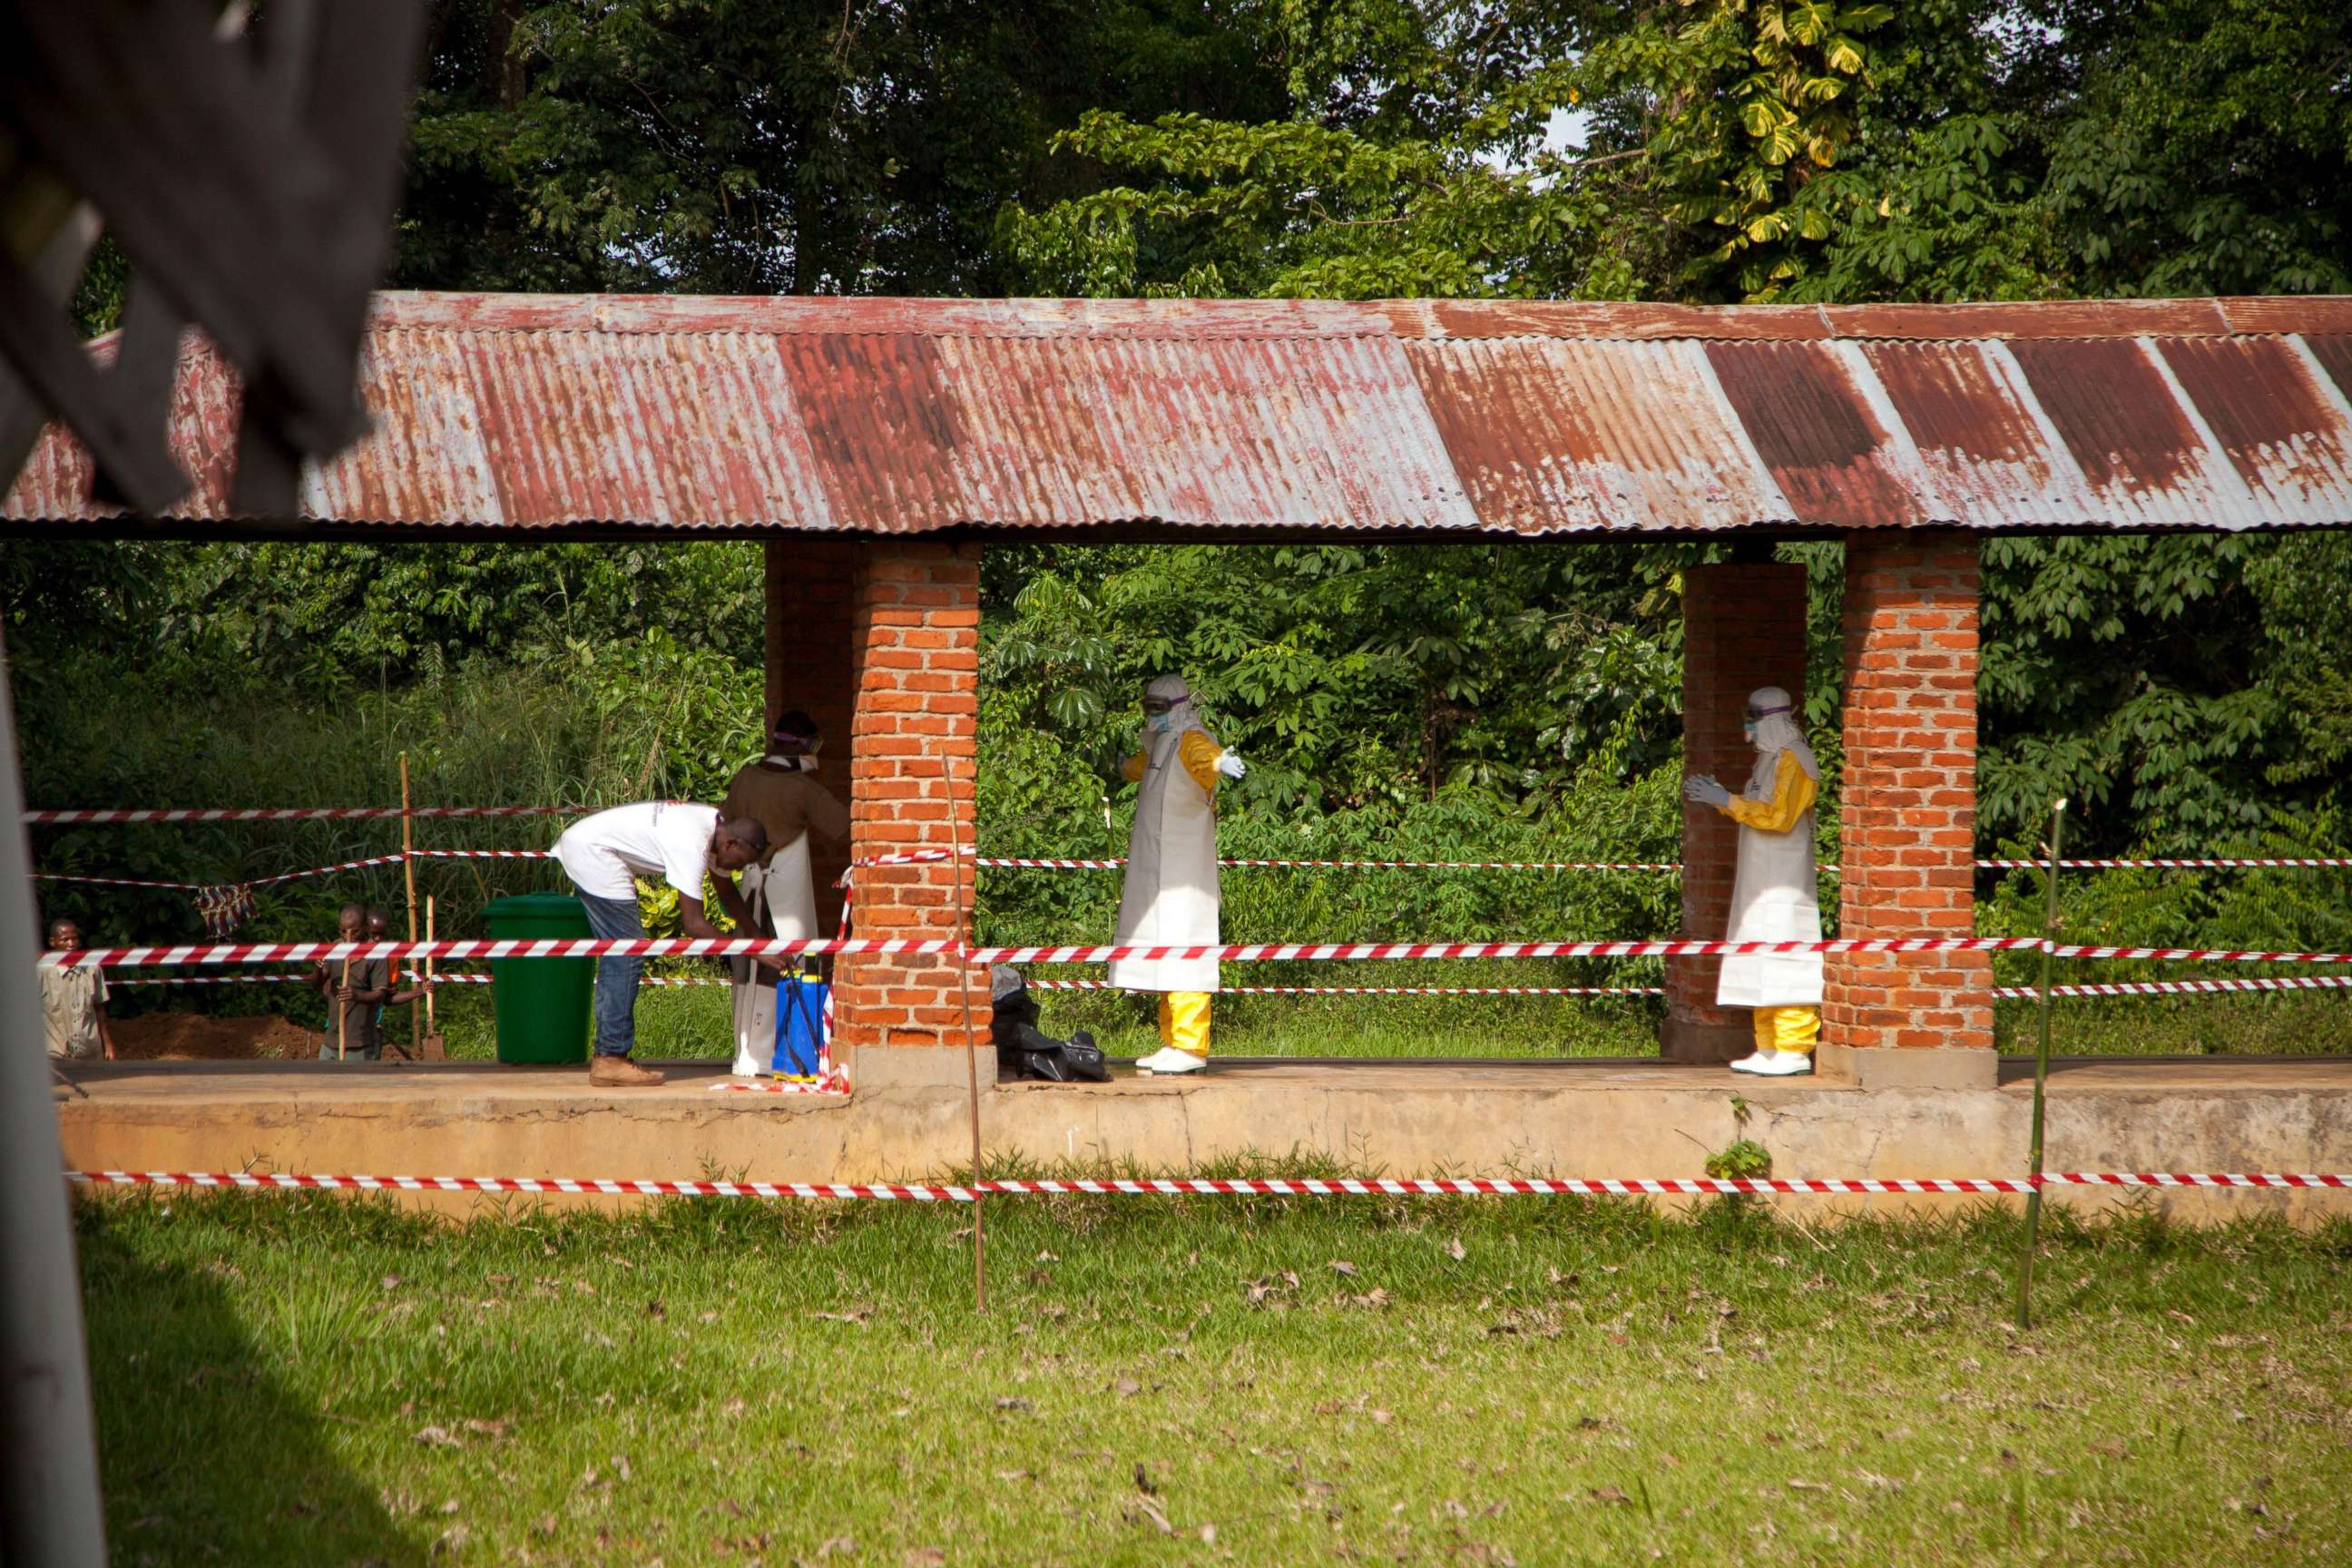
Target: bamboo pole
<point x="342" y="1007"/>
<point x="2049" y="928"/>
<point x="970" y="1039"/>
<point x="408" y="872"/>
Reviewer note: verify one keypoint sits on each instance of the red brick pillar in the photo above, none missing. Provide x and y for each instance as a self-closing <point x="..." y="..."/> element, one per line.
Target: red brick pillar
<point x="811" y="586"/>
<point x="1910" y="817"/>
<point x="913" y="752"/>
<point x="1743" y="626"/>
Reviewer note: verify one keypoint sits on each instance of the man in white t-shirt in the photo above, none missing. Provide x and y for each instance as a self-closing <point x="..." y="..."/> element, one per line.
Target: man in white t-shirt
<point x="660" y="840"/>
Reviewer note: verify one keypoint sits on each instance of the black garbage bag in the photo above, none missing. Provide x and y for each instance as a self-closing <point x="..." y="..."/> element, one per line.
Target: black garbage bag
<point x="1026" y="1051"/>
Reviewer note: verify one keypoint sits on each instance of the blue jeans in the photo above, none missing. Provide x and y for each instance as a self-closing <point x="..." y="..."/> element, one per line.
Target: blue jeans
<point x="617" y="978"/>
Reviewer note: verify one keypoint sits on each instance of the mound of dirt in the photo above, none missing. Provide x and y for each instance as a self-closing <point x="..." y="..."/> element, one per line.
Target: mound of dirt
<point x="194" y="1037"/>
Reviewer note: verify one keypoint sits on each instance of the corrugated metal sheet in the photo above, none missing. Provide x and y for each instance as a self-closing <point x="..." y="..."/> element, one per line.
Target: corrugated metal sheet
<point x="1291" y="417"/>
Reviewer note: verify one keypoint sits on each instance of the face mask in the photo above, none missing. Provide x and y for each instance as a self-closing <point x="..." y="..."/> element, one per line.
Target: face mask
<point x="1160" y="723"/>
<point x="1748" y="727"/>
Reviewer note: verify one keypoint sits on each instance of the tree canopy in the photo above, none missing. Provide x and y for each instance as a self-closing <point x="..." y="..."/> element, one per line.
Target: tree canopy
<point x="2192" y="691"/>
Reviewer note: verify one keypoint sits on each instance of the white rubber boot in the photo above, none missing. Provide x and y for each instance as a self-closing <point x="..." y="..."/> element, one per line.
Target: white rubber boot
<point x="1168" y="1062"/>
<point x="1784" y="1064"/>
<point x="1750" y="1062"/>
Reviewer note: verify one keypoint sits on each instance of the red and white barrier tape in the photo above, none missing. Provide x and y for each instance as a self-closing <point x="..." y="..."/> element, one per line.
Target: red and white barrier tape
<point x="2004" y="992"/>
<point x="1427" y="1186"/>
<point x="1382" y="990"/>
<point x="540" y="947"/>
<point x="831" y="1083"/>
<point x="294" y="813"/>
<point x="484" y="855"/>
<point x="363" y="864"/>
<point x="1274" y="953"/>
<point x="1028" y="863"/>
<point x="320" y="870"/>
<point x="2181" y="987"/>
<point x="459" y="979"/>
<point x="1241" y="953"/>
<point x="2162" y="865"/>
<point x="2219" y="955"/>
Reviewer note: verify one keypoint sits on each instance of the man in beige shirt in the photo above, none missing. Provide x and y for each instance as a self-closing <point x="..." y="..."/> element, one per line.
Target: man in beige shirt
<point x="73" y="1003"/>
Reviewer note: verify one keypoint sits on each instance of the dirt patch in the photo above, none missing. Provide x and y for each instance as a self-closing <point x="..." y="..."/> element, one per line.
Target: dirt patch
<point x="194" y="1037"/>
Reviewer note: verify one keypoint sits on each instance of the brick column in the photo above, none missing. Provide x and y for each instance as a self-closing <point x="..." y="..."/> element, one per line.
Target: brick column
<point x="1743" y="626"/>
<point x="914" y="748"/>
<point x="811" y="664"/>
<point x="1910" y="817"/>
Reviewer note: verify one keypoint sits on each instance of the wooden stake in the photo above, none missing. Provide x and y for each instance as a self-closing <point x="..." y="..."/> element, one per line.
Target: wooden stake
<point x="432" y="1026"/>
<point x="342" y="1009"/>
<point x="436" y="1049"/>
<point x="408" y="870"/>
<point x="970" y="1041"/>
<point x="2049" y="927"/>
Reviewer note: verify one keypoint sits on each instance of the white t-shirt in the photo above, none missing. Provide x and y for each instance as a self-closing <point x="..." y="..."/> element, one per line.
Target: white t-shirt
<point x="664" y="839"/>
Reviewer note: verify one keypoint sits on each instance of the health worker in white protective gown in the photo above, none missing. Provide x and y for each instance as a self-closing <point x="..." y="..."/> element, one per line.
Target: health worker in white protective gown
<point x="1169" y="897"/>
<point x="781" y="793"/>
<point x="1774" y="893"/>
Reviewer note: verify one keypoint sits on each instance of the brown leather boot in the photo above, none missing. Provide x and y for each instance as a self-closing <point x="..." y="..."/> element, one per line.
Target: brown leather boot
<point x="620" y="1072"/>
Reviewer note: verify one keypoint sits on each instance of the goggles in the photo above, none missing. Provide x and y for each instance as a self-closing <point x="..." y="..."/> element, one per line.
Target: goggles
<point x="1157" y="705"/>
<point x="1756" y="713"/>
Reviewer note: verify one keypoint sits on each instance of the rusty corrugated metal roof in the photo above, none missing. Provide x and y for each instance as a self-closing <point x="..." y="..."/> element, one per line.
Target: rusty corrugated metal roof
<point x="1289" y="418"/>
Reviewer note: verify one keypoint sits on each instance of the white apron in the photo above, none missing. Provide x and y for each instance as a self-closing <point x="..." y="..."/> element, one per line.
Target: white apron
<point x="781" y="893"/>
<point x="1774" y="898"/>
<point x="1170" y="896"/>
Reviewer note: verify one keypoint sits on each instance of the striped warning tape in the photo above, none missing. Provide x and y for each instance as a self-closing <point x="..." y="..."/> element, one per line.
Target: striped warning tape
<point x="2004" y="992"/>
<point x="1060" y="863"/>
<point x="484" y="855"/>
<point x="2170" y="865"/>
<point x="361" y="865"/>
<point x="1381" y="990"/>
<point x="1047" y="863"/>
<point x="2181" y="987"/>
<point x="833" y="1082"/>
<point x="1238" y="953"/>
<point x="1420" y="1186"/>
<point x="438" y="979"/>
<point x="293" y="814"/>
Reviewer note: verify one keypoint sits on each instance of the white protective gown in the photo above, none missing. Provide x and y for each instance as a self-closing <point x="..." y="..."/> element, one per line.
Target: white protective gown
<point x="1170" y="896"/>
<point x="784" y="891"/>
<point x="1774" y="898"/>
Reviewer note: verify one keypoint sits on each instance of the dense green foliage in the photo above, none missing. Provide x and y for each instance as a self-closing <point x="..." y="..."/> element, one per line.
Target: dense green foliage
<point x="2191" y="694"/>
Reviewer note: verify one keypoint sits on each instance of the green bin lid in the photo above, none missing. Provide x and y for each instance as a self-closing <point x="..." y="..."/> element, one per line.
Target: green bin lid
<point x="528" y="904"/>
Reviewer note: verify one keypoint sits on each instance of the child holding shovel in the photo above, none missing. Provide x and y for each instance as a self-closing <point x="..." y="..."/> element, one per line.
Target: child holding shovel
<point x="355" y="988"/>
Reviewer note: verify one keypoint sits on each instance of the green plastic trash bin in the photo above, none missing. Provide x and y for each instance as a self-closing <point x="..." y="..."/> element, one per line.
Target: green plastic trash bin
<point x="542" y="1004"/>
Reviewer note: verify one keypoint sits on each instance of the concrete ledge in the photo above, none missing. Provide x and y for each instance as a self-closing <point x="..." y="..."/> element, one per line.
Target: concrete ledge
<point x="1885" y="1067"/>
<point x="1572" y="1117"/>
<point x="918" y="1067"/>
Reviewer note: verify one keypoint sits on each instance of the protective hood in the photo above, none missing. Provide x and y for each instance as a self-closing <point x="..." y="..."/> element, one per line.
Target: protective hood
<point x="1777" y="731"/>
<point x="1181" y="717"/>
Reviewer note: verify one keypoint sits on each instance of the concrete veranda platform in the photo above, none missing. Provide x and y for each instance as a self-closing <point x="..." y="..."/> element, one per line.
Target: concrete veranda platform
<point x="1593" y="1117"/>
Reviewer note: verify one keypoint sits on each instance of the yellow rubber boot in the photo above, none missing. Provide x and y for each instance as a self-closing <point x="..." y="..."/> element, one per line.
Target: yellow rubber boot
<point x="1185" y="1021"/>
<point x="1794" y="1029"/>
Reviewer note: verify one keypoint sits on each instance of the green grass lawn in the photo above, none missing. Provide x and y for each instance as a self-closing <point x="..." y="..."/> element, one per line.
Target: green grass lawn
<point x="317" y="1382"/>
